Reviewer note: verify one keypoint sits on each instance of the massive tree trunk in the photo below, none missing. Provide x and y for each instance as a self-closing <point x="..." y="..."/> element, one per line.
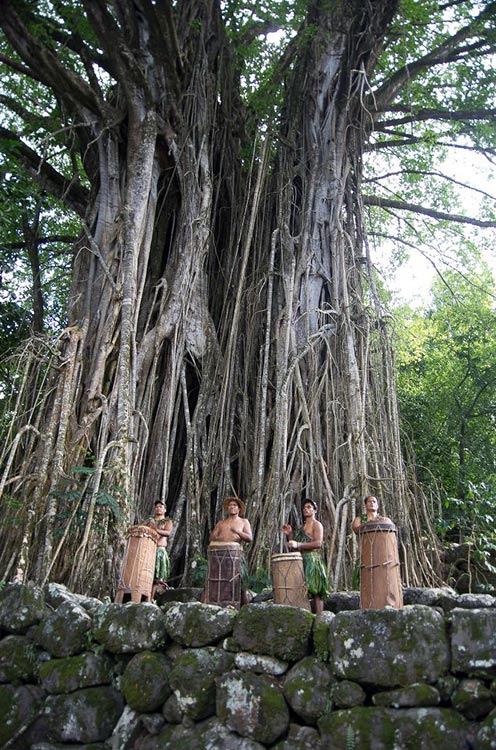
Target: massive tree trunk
<point x="224" y="335"/>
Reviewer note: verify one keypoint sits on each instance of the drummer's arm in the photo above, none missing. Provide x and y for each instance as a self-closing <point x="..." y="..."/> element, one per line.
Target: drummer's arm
<point x="166" y="530"/>
<point x="356" y="524"/>
<point x="214" y="536"/>
<point x="245" y="534"/>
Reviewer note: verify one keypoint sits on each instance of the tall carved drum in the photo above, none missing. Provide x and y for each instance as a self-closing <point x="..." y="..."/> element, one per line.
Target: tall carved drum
<point x="288" y="580"/>
<point x="223" y="586"/>
<point x="380" y="582"/>
<point x="136" y="579"/>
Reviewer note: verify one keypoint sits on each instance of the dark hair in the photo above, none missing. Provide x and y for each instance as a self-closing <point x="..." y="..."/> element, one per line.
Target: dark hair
<point x="159" y="502"/>
<point x="312" y="503"/>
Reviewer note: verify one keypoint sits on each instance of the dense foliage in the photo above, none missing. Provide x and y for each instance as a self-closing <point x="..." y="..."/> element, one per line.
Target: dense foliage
<point x="446" y="359"/>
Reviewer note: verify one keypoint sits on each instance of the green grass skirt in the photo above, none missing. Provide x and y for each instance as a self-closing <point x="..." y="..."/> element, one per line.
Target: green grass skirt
<point x="162" y="564"/>
<point x="313" y="568"/>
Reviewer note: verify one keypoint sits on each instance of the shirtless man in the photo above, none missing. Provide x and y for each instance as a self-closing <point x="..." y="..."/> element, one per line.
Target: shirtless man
<point x="233" y="528"/>
<point x="371" y="513"/>
<point x="308" y="539"/>
<point x="162" y="524"/>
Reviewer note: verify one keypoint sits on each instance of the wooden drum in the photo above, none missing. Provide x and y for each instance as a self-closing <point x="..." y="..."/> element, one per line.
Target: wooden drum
<point x="288" y="579"/>
<point x="380" y="582"/>
<point x="223" y="585"/>
<point x="138" y="568"/>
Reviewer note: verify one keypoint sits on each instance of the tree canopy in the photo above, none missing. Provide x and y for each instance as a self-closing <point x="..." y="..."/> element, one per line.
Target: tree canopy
<point x="223" y="332"/>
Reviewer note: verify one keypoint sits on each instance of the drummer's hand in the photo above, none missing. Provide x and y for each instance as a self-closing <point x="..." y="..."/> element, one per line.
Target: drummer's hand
<point x="292" y="544"/>
<point x="287" y="529"/>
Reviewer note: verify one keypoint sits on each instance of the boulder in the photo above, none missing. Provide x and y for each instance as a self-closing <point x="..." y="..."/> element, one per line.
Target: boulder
<point x="473" y="641"/>
<point x="19" y="706"/>
<point x="57" y="594"/>
<point x="417" y="695"/>
<point x="472" y="699"/>
<point x="389" y="647"/>
<point x="260" y="664"/>
<point x="347" y="694"/>
<point x="486" y="734"/>
<point x="21" y="607"/>
<point x="274" y="629"/>
<point x="129" y="628"/>
<point x="210" y="734"/>
<point x="18" y="662"/>
<point x="306" y="687"/>
<point x="300" y="738"/>
<point x="383" y="728"/>
<point x="65" y="631"/>
<point x="87" y="715"/>
<point x="145" y="681"/>
<point x="321" y="627"/>
<point x="75" y="672"/>
<point x="195" y="624"/>
<point x="192" y="679"/>
<point x="252" y="705"/>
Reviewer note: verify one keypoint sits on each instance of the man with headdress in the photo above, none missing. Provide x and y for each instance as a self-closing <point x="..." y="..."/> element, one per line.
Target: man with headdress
<point x="308" y="539"/>
<point x="162" y="524"/>
<point x="231" y="531"/>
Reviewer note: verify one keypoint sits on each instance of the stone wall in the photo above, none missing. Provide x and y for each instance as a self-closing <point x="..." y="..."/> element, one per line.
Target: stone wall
<point x="79" y="673"/>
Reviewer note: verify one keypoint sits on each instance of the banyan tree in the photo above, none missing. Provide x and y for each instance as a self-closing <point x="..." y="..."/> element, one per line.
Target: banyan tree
<point x="224" y="333"/>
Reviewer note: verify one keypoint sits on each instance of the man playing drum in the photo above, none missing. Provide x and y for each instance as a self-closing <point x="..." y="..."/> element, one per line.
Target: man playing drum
<point x="308" y="540"/>
<point x="380" y="580"/>
<point x="233" y="528"/>
<point x="162" y="524"/>
<point x="371" y="513"/>
<point x="225" y="547"/>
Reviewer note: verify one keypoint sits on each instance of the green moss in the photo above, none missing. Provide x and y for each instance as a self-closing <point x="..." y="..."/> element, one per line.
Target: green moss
<point x="9" y="714"/>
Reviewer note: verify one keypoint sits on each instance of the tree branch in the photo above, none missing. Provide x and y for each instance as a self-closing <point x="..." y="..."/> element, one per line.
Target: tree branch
<point x="437" y="114"/>
<point x="69" y="191"/>
<point x="43" y="64"/>
<point x="428" y="173"/>
<point x="445" y="52"/>
<point x="372" y="200"/>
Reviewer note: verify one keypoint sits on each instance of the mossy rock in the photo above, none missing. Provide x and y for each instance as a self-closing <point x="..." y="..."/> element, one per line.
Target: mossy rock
<point x="389" y="647"/>
<point x="486" y="734"/>
<point x="87" y="715"/>
<point x="18" y="660"/>
<point x="210" y="734"/>
<point x="472" y="699"/>
<point x="306" y="687"/>
<point x="65" y="631"/>
<point x="21" y="607"/>
<point x="129" y="628"/>
<point x="145" y="681"/>
<point x="357" y="728"/>
<point x="192" y="679"/>
<point x="384" y="729"/>
<point x="347" y="694"/>
<point x="321" y="633"/>
<point x="473" y="642"/>
<point x="18" y="707"/>
<point x="195" y="624"/>
<point x="420" y="695"/>
<point x="274" y="629"/>
<point x="252" y="705"/>
<point x="75" y="672"/>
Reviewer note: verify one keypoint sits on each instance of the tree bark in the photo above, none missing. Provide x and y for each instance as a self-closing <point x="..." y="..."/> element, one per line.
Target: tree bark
<point x="224" y="335"/>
